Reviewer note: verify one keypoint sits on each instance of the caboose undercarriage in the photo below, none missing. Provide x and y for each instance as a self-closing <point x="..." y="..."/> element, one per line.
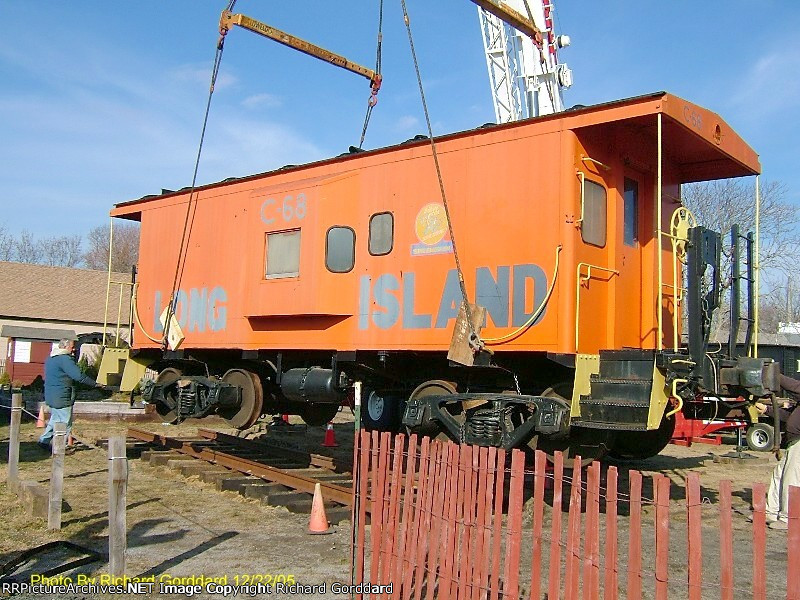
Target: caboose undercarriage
<point x="620" y="402"/>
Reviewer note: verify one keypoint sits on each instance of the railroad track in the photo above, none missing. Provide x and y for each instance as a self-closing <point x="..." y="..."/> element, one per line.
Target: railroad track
<point x="275" y="474"/>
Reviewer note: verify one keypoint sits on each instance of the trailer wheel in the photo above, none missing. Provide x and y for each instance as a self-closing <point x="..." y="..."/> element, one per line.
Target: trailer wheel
<point x="760" y="437"/>
<point x="638" y="445"/>
<point x="381" y="411"/>
<point x="167" y="378"/>
<point x="318" y="414"/>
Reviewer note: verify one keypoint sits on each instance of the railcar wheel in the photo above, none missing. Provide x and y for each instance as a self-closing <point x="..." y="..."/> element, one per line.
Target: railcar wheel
<point x="168" y="377"/>
<point x="760" y="437"/>
<point x="638" y="445"/>
<point x="589" y="444"/>
<point x="318" y="414"/>
<point x="435" y="387"/>
<point x="252" y="404"/>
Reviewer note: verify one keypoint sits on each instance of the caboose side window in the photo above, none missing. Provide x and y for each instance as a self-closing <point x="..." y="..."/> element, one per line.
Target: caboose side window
<point x="282" y="258"/>
<point x="340" y="249"/>
<point x="593" y="228"/>
<point x="631" y="209"/>
<point x="381" y="233"/>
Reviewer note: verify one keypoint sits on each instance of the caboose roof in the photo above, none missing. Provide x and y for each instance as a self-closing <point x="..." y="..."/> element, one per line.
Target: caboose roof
<point x="696" y="139"/>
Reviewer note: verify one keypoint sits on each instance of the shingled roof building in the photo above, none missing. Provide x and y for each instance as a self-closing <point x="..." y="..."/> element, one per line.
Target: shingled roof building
<point x="41" y="304"/>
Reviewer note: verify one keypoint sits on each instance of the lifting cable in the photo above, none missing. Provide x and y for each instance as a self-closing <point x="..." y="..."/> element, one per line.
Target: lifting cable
<point x="474" y="339"/>
<point x="189" y="218"/>
<point x="373" y="99"/>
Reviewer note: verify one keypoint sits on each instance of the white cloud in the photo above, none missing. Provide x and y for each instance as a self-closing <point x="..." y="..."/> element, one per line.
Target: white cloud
<point x="771" y="85"/>
<point x="262" y="100"/>
<point x="201" y="74"/>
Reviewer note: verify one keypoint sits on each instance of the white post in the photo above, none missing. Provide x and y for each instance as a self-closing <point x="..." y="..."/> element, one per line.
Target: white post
<point x="117" y="500"/>
<point x="13" y="444"/>
<point x="57" y="476"/>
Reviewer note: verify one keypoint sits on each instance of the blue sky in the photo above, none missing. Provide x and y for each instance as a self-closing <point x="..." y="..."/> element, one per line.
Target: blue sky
<point x="102" y="102"/>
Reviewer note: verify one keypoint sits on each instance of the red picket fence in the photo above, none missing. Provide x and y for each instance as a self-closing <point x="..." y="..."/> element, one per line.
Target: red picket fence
<point x="463" y="522"/>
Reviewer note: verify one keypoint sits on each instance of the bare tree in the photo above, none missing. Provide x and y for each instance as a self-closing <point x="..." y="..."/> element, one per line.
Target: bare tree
<point x="720" y="204"/>
<point x="27" y="249"/>
<point x="125" y="252"/>
<point x="6" y="245"/>
<point x="62" y="251"/>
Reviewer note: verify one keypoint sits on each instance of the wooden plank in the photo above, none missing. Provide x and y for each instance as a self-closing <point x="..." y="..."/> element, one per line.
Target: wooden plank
<point x="386" y="564"/>
<point x="419" y="531"/>
<point x="514" y="527"/>
<point x="662" y="483"/>
<point x="57" y="476"/>
<point x="363" y="483"/>
<point x="464" y="563"/>
<point x="539" y="476"/>
<point x="572" y="572"/>
<point x="792" y="544"/>
<point x="486" y="543"/>
<point x="759" y="542"/>
<point x="377" y="470"/>
<point x="456" y="480"/>
<point x="117" y="502"/>
<point x="695" y="536"/>
<point x="635" y="537"/>
<point x="437" y="520"/>
<point x="725" y="540"/>
<point x="427" y="520"/>
<point x="554" y="574"/>
<point x="407" y="500"/>
<point x="611" y="557"/>
<point x="480" y="525"/>
<point x="13" y="442"/>
<point x="591" y="562"/>
<point x="497" y="524"/>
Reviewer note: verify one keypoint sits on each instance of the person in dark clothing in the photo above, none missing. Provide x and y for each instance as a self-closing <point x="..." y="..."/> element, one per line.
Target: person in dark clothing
<point x="60" y="371"/>
<point x="787" y="471"/>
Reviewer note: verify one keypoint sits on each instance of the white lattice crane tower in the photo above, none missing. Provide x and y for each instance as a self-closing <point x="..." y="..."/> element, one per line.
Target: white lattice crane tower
<point x="526" y="81"/>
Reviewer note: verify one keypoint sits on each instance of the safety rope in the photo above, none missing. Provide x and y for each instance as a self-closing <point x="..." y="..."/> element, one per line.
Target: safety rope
<point x="187" y="223"/>
<point x="536" y="313"/>
<point x="373" y="99"/>
<point x="474" y="339"/>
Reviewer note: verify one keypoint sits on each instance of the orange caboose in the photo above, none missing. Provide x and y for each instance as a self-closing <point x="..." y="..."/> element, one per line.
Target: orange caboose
<point x="568" y="229"/>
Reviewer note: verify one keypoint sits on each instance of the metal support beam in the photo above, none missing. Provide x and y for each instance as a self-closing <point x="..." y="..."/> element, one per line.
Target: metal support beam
<point x="229" y="19"/>
<point x="513" y="18"/>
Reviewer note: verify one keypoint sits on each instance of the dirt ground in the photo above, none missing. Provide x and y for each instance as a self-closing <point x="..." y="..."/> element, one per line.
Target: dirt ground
<point x="182" y="527"/>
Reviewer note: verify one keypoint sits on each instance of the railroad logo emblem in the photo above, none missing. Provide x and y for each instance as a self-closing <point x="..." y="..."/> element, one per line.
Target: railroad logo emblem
<point x="431" y="229"/>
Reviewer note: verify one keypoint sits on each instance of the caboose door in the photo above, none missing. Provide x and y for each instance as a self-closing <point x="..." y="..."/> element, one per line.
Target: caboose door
<point x="630" y="240"/>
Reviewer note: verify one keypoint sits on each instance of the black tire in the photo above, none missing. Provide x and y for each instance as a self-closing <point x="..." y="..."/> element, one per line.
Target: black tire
<point x="380" y="411"/>
<point x="760" y="437"/>
<point x="316" y="415"/>
<point x="638" y="445"/>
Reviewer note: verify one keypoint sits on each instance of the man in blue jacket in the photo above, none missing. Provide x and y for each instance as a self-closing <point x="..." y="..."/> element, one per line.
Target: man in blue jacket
<point x="60" y="371"/>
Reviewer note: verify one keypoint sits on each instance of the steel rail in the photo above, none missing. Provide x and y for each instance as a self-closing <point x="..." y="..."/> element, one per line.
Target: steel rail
<point x="335" y="493"/>
<point x="314" y="460"/>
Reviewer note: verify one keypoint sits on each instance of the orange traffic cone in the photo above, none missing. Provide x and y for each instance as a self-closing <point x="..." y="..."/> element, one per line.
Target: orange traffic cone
<point x="70" y="440"/>
<point x="40" y="420"/>
<point x="330" y="437"/>
<point x="318" y="523"/>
